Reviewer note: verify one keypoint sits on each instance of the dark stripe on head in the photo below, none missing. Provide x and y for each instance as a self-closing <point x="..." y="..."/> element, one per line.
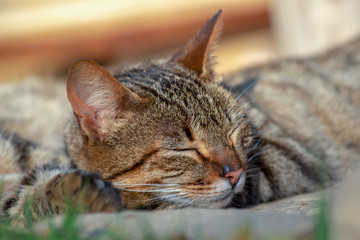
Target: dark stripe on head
<point x="188" y="133"/>
<point x="162" y="98"/>
<point x="173" y="87"/>
<point x="135" y="166"/>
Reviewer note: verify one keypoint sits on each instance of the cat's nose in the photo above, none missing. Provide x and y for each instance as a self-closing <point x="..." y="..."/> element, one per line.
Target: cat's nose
<point x="234" y="176"/>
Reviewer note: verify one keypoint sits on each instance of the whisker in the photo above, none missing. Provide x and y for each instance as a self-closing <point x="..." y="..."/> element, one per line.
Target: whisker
<point x="252" y="170"/>
<point x="179" y="194"/>
<point x="253" y="157"/>
<point x="243" y="106"/>
<point x="148" y="184"/>
<point x="233" y="204"/>
<point x="237" y="99"/>
<point x="149" y="199"/>
<point x="256" y="144"/>
<point x="251" y="175"/>
<point x="166" y="198"/>
<point x="151" y="190"/>
<point x="174" y="194"/>
<point x="252" y="167"/>
<point x="254" y="162"/>
<point x="193" y="200"/>
<point x="220" y="203"/>
<point x="194" y="189"/>
<point x="177" y="197"/>
<point x="232" y="85"/>
<point x="239" y="198"/>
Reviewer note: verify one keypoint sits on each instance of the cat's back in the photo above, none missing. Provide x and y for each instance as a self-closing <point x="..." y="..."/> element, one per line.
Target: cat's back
<point x="314" y="100"/>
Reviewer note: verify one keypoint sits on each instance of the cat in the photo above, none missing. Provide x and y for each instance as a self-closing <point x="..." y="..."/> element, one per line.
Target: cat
<point x="166" y="134"/>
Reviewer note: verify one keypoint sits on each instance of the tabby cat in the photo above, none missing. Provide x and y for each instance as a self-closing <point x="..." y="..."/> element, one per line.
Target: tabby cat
<point x="165" y="134"/>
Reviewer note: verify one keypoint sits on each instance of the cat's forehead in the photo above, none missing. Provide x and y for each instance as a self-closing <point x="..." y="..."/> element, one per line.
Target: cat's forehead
<point x="176" y="86"/>
<point x="203" y="103"/>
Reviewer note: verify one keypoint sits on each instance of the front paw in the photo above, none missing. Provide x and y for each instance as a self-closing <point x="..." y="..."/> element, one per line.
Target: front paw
<point x="82" y="189"/>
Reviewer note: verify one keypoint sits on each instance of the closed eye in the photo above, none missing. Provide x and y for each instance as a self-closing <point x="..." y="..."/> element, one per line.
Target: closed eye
<point x="190" y="149"/>
<point x="186" y="149"/>
<point x="230" y="136"/>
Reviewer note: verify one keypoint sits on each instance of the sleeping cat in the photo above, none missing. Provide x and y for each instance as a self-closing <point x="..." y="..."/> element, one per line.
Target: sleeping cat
<point x="165" y="134"/>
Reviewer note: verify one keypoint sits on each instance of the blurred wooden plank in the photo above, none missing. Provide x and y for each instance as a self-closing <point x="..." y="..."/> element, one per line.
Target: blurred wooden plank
<point x="81" y="16"/>
<point x="114" y="30"/>
<point x="245" y="50"/>
<point x="127" y="40"/>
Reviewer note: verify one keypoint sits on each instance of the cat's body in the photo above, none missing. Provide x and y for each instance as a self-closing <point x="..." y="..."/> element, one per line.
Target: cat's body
<point x="304" y="109"/>
<point x="314" y="101"/>
<point x="169" y="136"/>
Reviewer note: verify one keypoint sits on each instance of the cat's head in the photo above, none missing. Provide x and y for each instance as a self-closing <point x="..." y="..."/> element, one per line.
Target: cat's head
<point x="166" y="133"/>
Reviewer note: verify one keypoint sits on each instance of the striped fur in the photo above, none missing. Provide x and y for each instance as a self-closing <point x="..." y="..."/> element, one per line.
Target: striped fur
<point x="163" y="135"/>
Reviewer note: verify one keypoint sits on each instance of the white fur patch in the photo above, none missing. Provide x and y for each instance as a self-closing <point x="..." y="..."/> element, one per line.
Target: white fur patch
<point x="101" y="96"/>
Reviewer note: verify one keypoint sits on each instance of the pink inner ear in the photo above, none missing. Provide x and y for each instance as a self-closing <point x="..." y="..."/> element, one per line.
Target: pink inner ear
<point x="79" y="86"/>
<point x="195" y="55"/>
<point x="96" y="97"/>
<point x="77" y="102"/>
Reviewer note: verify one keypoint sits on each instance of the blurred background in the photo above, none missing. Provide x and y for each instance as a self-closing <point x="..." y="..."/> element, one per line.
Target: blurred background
<point x="43" y="37"/>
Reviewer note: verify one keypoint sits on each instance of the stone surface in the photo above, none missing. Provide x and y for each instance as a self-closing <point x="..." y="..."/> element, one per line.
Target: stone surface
<point x="288" y="217"/>
<point x="345" y="212"/>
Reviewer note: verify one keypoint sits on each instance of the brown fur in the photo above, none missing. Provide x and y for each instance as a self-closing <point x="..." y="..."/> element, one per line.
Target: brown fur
<point x="165" y="134"/>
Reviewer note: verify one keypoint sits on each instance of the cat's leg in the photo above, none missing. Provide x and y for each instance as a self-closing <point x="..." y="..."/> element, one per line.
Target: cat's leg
<point x="12" y="152"/>
<point x="19" y="156"/>
<point x="50" y="189"/>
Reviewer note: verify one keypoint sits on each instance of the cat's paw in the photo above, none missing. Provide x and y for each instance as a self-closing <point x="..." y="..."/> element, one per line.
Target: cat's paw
<point x="82" y="189"/>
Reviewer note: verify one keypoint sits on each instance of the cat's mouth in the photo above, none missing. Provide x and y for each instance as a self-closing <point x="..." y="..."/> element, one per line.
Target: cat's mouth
<point x="218" y="194"/>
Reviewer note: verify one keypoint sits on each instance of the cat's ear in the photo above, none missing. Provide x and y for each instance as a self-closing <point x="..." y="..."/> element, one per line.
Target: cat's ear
<point x="196" y="53"/>
<point x="98" y="98"/>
